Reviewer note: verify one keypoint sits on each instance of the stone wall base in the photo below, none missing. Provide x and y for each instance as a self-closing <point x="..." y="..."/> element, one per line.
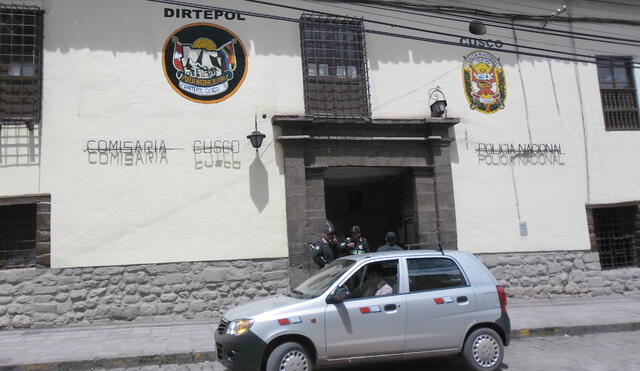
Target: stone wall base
<point x="559" y="274"/>
<point x="37" y="298"/>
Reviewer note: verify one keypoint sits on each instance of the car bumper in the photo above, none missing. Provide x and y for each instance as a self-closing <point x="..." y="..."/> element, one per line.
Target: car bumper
<point x="505" y="324"/>
<point x="243" y="352"/>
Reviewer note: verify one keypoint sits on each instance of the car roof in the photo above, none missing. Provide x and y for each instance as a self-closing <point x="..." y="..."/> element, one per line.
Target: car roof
<point x="404" y="253"/>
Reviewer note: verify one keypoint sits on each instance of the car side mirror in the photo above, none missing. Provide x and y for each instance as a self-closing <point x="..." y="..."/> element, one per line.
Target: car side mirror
<point x="338" y="296"/>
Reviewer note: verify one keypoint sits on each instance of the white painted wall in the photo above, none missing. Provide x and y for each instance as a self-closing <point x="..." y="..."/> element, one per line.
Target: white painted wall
<point x="104" y="80"/>
<point x="550" y="199"/>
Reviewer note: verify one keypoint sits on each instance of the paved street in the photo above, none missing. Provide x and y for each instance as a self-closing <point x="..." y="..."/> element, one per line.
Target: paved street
<point x="174" y="342"/>
<point x="598" y="352"/>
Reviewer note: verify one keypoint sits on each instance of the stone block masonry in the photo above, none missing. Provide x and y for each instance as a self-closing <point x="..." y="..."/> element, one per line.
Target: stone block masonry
<point x="559" y="274"/>
<point x="37" y="298"/>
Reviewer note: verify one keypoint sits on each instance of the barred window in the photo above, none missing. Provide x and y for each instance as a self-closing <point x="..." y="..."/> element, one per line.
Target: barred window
<point x="618" y="93"/>
<point x="617" y="232"/>
<point x="20" y="64"/>
<point x="334" y="62"/>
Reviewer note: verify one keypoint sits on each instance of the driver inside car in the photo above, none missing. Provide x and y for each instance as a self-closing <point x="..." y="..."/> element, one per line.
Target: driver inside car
<point x="375" y="282"/>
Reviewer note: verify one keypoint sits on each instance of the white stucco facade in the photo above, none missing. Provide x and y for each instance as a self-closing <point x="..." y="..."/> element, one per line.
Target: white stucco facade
<point x="104" y="81"/>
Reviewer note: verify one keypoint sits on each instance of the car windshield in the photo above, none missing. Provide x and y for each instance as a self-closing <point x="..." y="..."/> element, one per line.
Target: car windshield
<point x="321" y="281"/>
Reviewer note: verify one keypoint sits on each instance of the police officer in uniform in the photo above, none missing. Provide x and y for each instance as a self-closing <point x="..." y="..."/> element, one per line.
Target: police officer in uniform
<point x="356" y="244"/>
<point x="325" y="249"/>
<point x="390" y="239"/>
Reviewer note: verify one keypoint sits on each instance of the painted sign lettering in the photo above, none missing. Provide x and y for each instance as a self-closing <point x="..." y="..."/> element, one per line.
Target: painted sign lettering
<point x="219" y="153"/>
<point x="118" y="152"/>
<point x="480" y="43"/>
<point x="202" y="14"/>
<point x="529" y="154"/>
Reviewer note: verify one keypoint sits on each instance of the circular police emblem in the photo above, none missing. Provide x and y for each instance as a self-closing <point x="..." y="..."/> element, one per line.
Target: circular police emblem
<point x="204" y="62"/>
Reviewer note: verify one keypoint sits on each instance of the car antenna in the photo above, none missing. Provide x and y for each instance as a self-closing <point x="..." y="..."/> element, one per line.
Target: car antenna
<point x="440" y="248"/>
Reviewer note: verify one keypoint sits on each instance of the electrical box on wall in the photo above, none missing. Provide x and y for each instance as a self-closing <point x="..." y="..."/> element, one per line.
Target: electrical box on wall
<point x="523" y="229"/>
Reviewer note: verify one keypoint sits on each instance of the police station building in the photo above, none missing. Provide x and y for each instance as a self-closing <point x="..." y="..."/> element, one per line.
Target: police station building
<point x="169" y="159"/>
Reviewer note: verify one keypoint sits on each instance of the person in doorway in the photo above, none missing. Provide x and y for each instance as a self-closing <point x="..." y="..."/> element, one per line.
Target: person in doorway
<point x="376" y="284"/>
<point x="324" y="250"/>
<point x="390" y="239"/>
<point x="356" y="244"/>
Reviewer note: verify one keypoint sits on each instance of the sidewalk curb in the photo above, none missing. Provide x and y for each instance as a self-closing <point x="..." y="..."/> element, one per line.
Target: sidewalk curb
<point x="574" y="330"/>
<point x="136" y="361"/>
<point x="181" y="358"/>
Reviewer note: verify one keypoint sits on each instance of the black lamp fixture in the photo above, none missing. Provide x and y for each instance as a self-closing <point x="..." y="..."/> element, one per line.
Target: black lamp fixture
<point x="256" y="137"/>
<point x="437" y="102"/>
<point x="477" y="27"/>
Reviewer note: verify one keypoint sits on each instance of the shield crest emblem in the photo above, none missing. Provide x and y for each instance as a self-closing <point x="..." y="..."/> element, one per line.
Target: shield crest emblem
<point x="484" y="82"/>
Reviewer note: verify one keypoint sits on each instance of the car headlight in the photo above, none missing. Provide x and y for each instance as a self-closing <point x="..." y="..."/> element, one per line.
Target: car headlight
<point x="239" y="326"/>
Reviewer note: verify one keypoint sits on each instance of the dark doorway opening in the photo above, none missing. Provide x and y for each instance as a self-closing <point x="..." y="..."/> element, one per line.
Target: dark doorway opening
<point x="378" y="199"/>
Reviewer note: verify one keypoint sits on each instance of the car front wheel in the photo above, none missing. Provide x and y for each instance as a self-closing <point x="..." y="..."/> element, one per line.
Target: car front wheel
<point x="483" y="350"/>
<point x="289" y="357"/>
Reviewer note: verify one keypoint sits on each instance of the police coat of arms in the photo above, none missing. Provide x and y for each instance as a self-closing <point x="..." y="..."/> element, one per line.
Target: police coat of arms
<point x="485" y="85"/>
<point x="204" y="62"/>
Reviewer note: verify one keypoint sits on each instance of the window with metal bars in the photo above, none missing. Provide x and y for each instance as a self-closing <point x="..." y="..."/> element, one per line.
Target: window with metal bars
<point x="20" y="64"/>
<point x="334" y="63"/>
<point x="617" y="231"/>
<point x="618" y="93"/>
<point x="17" y="236"/>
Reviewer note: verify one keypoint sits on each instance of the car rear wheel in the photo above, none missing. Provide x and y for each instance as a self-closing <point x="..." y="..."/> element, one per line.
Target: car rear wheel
<point x="483" y="350"/>
<point x="289" y="357"/>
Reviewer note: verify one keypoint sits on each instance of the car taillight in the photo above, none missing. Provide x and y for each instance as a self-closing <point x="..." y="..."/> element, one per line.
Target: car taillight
<point x="502" y="295"/>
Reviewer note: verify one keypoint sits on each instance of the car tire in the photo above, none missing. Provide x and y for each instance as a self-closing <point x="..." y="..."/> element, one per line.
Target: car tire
<point x="483" y="350"/>
<point x="289" y="357"/>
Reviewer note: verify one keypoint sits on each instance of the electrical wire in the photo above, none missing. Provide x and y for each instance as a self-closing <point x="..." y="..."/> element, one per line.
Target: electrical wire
<point x="462" y="3"/>
<point x="558" y="32"/>
<point x="289" y="7"/>
<point x="515" y="16"/>
<point x="376" y="32"/>
<point x="613" y="2"/>
<point x="573" y="4"/>
<point x="519" y="3"/>
<point x="598" y="52"/>
<point x="507" y="25"/>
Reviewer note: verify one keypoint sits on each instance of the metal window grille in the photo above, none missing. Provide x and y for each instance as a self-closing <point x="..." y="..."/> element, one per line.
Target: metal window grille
<point x="20" y="64"/>
<point x="17" y="236"/>
<point x="617" y="235"/>
<point x="618" y="93"/>
<point x="334" y="62"/>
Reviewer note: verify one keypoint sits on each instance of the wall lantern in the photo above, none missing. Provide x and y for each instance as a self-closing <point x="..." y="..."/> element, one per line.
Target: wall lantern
<point x="437" y="102"/>
<point x="256" y="137"/>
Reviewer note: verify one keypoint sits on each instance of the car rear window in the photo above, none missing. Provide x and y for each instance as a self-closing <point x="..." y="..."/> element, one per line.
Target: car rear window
<point x="433" y="274"/>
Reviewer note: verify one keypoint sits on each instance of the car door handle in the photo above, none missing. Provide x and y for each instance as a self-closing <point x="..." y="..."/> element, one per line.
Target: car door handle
<point x="462" y="299"/>
<point x="391" y="307"/>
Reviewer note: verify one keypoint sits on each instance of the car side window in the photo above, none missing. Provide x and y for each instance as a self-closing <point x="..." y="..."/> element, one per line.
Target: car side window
<point x="374" y="279"/>
<point x="433" y="274"/>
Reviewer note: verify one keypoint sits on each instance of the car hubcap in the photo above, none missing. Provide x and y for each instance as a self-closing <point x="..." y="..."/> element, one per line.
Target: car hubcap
<point x="486" y="351"/>
<point x="295" y="360"/>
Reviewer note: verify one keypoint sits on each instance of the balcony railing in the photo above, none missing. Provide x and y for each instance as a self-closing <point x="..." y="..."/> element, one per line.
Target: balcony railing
<point x="620" y="109"/>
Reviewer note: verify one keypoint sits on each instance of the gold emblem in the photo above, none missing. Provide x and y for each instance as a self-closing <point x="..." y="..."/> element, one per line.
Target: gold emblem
<point x="484" y="82"/>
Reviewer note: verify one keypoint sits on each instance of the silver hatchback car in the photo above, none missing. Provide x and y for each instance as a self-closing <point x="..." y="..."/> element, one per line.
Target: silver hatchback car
<point x="372" y="307"/>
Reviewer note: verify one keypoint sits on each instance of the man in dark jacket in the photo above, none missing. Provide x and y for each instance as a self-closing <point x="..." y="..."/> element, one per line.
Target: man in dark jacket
<point x="390" y="239"/>
<point x="356" y="244"/>
<point x="323" y="250"/>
